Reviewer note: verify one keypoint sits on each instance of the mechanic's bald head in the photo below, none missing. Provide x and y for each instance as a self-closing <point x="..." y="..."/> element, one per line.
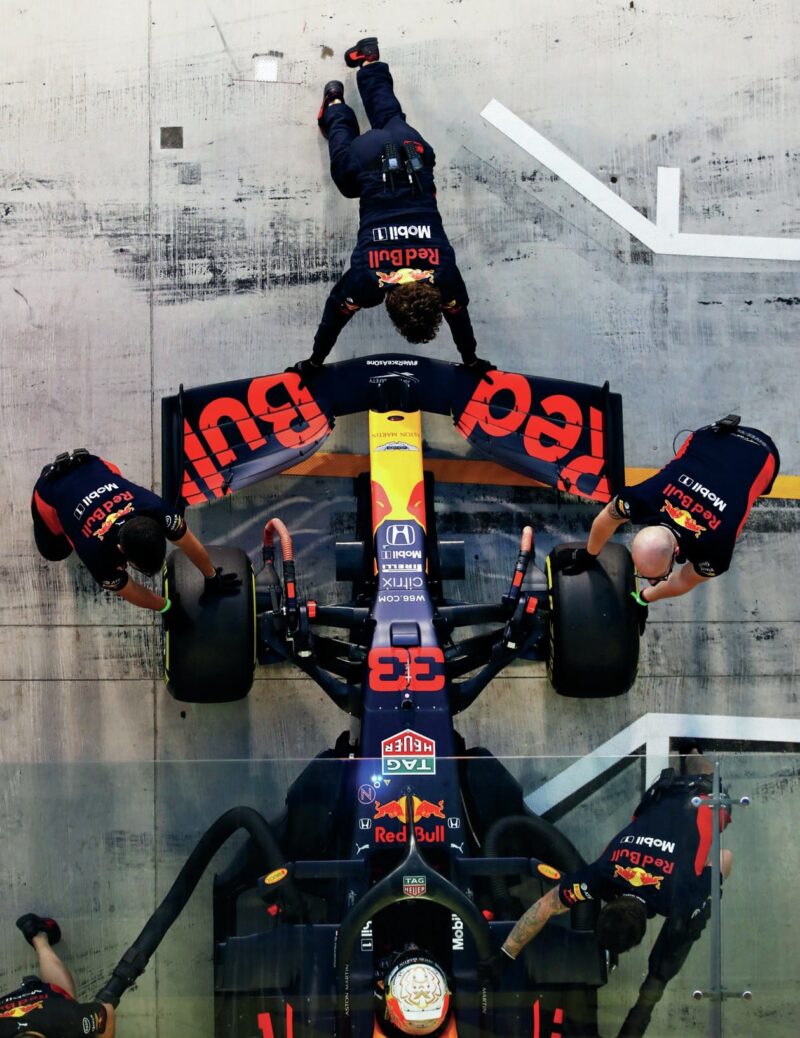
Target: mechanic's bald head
<point x="653" y="550"/>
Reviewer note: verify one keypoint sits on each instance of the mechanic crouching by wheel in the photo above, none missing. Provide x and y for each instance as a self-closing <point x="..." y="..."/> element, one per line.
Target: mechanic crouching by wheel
<point x="402" y="256"/>
<point x="693" y="510"/>
<point x="657" y="865"/>
<point x="413" y="995"/>
<point x="45" y="1006"/>
<point x="81" y="502"/>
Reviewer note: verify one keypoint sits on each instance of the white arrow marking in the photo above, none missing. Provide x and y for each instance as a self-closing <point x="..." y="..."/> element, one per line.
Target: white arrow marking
<point x="664" y="235"/>
<point x="653" y="731"/>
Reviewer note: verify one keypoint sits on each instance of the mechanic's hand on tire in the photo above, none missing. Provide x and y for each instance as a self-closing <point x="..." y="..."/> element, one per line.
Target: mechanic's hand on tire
<point x="574" y="561"/>
<point x="221" y="585"/>
<point x="641" y="610"/>
<point x="491" y="970"/>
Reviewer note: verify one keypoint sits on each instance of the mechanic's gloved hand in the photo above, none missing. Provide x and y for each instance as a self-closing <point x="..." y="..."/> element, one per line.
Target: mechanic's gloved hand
<point x="642" y="609"/>
<point x="478" y="366"/>
<point x="222" y="584"/>
<point x="491" y="970"/>
<point x="307" y="369"/>
<point x="575" y="561"/>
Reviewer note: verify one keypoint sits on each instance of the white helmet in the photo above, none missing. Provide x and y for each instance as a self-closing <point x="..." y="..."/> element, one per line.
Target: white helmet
<point x="417" y="994"/>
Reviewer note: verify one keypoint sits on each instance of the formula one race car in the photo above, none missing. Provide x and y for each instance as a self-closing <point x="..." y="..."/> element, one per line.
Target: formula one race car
<point x="220" y="438"/>
<point x="400" y="849"/>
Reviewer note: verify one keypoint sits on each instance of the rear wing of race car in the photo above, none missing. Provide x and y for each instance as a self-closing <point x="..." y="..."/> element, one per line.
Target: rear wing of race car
<point x="223" y="437"/>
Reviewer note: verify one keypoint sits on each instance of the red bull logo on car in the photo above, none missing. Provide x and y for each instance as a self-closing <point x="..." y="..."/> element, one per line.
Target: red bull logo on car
<point x="422" y="835"/>
<point x="637" y="877"/>
<point x="395" y="810"/>
<point x="408" y="753"/>
<point x="423" y="809"/>
<point x="503" y="406"/>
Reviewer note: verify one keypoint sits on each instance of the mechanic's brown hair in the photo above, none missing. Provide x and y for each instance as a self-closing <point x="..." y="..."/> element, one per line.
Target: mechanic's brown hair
<point x="143" y="543"/>
<point x="415" y="310"/>
<point x="621" y="924"/>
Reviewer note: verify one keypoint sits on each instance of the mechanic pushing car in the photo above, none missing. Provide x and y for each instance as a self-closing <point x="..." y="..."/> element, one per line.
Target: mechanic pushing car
<point x="45" y="1006"/>
<point x="693" y="510"/>
<point x="81" y="502"/>
<point x="402" y="256"/>
<point x="657" y="865"/>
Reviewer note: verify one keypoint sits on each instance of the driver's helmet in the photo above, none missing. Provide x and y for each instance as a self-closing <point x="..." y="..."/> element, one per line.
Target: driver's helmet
<point x="416" y="992"/>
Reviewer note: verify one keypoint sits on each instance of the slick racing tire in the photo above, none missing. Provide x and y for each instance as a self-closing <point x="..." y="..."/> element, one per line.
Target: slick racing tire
<point x="593" y="646"/>
<point x="209" y="648"/>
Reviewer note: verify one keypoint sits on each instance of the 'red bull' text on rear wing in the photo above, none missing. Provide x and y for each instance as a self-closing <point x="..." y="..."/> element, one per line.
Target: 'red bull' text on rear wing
<point x="223" y="437"/>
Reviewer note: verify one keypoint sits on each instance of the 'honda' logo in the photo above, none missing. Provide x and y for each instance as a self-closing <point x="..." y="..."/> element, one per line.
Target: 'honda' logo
<point x="400" y="533"/>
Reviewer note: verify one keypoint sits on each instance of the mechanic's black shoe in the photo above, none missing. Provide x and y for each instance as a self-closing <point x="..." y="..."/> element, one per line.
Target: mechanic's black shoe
<point x="686" y="744"/>
<point x="364" y="50"/>
<point x="332" y="91"/>
<point x="31" y="924"/>
<point x="688" y="750"/>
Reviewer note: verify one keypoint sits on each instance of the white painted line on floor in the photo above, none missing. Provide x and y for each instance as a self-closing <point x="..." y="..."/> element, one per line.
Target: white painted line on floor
<point x="653" y="732"/>
<point x="664" y="235"/>
<point x="668" y="197"/>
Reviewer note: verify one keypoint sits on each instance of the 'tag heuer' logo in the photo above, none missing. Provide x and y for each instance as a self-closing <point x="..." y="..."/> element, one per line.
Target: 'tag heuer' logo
<point x="408" y="753"/>
<point x="414" y="886"/>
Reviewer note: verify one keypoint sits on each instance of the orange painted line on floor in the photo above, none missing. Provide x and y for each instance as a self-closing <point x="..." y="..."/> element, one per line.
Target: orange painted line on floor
<point x="487" y="473"/>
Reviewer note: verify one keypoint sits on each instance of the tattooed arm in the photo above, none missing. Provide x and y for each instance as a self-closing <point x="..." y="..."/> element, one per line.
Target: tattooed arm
<point x="605" y="525"/>
<point x="533" y="921"/>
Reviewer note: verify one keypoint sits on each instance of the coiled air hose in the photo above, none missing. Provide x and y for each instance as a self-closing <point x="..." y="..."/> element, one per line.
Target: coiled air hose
<point x="134" y="961"/>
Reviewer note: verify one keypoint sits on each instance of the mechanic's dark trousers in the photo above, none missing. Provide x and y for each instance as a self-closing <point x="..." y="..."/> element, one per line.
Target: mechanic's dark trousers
<point x="351" y="154"/>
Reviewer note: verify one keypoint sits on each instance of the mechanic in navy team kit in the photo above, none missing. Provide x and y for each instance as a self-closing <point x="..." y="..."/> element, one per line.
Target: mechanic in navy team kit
<point x="402" y="256"/>
<point x="693" y="510"/>
<point x="657" y="865"/>
<point x="83" y="503"/>
<point x="45" y="1006"/>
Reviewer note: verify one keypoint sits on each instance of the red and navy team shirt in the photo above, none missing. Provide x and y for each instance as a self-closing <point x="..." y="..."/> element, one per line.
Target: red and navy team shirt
<point x="90" y="504"/>
<point x="38" y="1007"/>
<point x="401" y="240"/>
<point x="659" y="858"/>
<point x="704" y="495"/>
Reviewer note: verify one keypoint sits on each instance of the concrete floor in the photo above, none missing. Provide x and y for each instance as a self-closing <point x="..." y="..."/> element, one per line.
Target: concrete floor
<point x="127" y="268"/>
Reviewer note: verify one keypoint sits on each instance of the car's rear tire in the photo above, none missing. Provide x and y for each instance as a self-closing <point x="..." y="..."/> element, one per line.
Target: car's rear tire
<point x="594" y="635"/>
<point x="209" y="657"/>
